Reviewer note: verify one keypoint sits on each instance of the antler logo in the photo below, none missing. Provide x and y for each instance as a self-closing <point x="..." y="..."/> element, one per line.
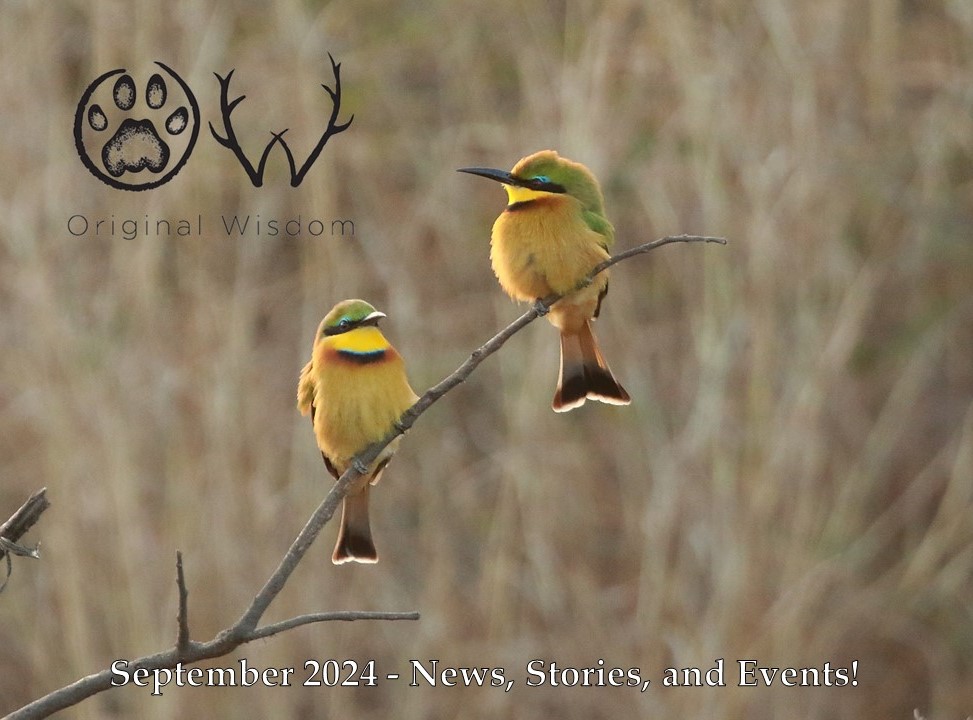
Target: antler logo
<point x="230" y="142"/>
<point x="118" y="141"/>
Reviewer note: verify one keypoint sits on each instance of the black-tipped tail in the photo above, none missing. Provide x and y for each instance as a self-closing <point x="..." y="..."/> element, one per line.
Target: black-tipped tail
<point x="585" y="374"/>
<point x="354" y="542"/>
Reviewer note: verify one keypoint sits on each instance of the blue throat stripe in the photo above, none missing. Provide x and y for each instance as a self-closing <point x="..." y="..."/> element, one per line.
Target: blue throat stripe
<point x="363" y="357"/>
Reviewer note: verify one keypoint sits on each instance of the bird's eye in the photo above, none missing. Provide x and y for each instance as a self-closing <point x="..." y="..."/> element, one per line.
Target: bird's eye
<point x="344" y="322"/>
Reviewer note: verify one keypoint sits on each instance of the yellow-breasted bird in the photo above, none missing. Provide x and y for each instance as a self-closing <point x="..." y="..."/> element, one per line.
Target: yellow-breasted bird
<point x="549" y="237"/>
<point x="354" y="388"/>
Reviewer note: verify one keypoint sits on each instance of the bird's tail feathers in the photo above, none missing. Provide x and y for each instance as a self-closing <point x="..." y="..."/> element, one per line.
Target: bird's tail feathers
<point x="585" y="374"/>
<point x="355" y="534"/>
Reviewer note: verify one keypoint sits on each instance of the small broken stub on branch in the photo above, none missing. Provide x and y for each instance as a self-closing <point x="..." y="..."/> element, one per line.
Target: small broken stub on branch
<point x="13" y="529"/>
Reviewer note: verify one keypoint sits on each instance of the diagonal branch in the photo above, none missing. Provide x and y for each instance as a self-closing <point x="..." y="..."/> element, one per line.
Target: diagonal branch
<point x="246" y="628"/>
<point x="25" y="517"/>
<point x="365" y="458"/>
<point x="539" y="308"/>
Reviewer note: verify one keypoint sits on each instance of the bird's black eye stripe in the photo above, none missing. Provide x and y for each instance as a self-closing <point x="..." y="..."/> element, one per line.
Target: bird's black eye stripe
<point x="344" y="325"/>
<point x="544" y="185"/>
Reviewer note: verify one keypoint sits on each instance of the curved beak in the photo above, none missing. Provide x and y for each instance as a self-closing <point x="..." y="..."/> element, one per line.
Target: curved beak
<point x="373" y="317"/>
<point x="501" y="176"/>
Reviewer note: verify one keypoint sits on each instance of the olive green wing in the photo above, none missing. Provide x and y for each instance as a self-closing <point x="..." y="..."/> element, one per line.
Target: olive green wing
<point x="600" y="224"/>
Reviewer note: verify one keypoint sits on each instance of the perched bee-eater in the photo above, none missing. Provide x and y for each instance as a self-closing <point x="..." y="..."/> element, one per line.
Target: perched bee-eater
<point x="354" y="388"/>
<point x="549" y="237"/>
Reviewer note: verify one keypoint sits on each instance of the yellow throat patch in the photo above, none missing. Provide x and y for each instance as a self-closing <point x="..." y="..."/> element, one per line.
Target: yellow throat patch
<point x="517" y="194"/>
<point x="361" y="340"/>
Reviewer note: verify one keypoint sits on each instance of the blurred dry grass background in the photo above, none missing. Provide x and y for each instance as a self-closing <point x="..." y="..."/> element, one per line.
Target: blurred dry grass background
<point x="793" y="482"/>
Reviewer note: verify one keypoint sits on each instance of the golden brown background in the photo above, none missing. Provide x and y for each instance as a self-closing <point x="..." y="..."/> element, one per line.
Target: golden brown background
<point x="793" y="482"/>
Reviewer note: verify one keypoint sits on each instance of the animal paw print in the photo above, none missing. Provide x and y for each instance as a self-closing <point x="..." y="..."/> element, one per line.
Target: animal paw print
<point x="136" y="145"/>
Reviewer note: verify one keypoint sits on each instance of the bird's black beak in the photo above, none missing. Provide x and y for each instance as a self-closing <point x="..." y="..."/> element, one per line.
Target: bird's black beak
<point x="507" y="178"/>
<point x="501" y="176"/>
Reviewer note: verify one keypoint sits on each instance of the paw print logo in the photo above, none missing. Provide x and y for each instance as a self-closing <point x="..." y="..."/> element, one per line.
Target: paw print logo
<point x="134" y="141"/>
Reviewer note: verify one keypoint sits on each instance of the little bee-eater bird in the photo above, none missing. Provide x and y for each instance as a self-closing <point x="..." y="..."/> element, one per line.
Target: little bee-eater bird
<point x="549" y="237"/>
<point x="355" y="389"/>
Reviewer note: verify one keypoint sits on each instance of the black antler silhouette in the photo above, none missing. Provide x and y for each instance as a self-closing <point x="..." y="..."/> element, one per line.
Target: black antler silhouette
<point x="334" y="127"/>
<point x="230" y="141"/>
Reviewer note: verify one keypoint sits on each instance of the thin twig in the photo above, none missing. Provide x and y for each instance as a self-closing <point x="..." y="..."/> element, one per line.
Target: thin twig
<point x="339" y="615"/>
<point x="245" y="629"/>
<point x="646" y="247"/>
<point x="182" y="635"/>
<point x="16" y="526"/>
<point x="25" y="517"/>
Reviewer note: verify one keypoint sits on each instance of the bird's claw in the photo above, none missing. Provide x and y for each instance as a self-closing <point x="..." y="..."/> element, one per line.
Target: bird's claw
<point x="540" y="308"/>
<point x="360" y="467"/>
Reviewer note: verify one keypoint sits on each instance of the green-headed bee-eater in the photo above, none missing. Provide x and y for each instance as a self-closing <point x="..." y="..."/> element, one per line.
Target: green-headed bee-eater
<point x="552" y="233"/>
<point x="354" y="388"/>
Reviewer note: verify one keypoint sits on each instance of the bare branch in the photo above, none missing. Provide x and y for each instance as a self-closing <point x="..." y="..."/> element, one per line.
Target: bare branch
<point x="25" y="517"/>
<point x="16" y="526"/>
<point x="245" y="629"/>
<point x="221" y="645"/>
<point x="182" y="635"/>
<point x="539" y="309"/>
<point x="365" y="458"/>
<point x="639" y="250"/>
<point x="342" y="615"/>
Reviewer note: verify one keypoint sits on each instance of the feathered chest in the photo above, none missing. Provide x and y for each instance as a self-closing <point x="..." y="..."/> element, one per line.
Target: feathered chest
<point x="358" y="396"/>
<point x="543" y="246"/>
